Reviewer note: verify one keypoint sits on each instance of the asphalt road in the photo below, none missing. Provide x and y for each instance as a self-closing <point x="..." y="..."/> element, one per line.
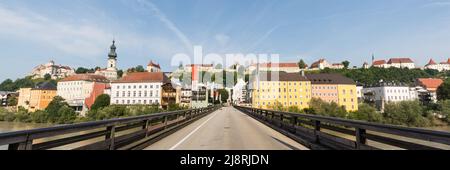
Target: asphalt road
<point x="226" y="129"/>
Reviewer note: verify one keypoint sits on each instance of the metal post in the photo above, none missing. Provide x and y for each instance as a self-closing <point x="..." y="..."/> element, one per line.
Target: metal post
<point x="111" y="136"/>
<point x="360" y="138"/>
<point x="316" y="130"/>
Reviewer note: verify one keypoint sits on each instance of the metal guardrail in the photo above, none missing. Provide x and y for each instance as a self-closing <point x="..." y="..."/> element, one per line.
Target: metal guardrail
<point x="132" y="133"/>
<point x="319" y="132"/>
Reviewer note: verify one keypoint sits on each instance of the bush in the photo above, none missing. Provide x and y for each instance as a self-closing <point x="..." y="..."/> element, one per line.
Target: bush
<point x="367" y="113"/>
<point x="320" y="107"/>
<point x="444" y="108"/>
<point x="39" y="117"/>
<point x="409" y="113"/>
<point x="66" y="115"/>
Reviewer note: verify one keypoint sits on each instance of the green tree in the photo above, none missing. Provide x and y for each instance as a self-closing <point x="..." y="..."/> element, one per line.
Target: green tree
<point x="39" y="116"/>
<point x="53" y="108"/>
<point x="7" y="85"/>
<point x="320" y="107"/>
<point x="367" y="113"/>
<point x="120" y="73"/>
<point x="12" y="101"/>
<point x="140" y="68"/>
<point x="301" y="64"/>
<point x="346" y="64"/>
<point x="443" y="92"/>
<point x="82" y="70"/>
<point x="66" y="115"/>
<point x="101" y="102"/>
<point x="47" y="77"/>
<point x="408" y="113"/>
<point x="444" y="108"/>
<point x="224" y="95"/>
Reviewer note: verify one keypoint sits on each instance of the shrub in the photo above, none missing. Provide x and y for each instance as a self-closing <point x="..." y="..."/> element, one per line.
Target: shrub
<point x="367" y="113"/>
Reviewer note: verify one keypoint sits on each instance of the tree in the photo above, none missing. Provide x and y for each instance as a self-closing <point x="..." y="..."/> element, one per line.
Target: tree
<point x="409" y="113"/>
<point x="443" y="92"/>
<point x="367" y="113"/>
<point x="120" y="73"/>
<point x="12" y="101"/>
<point x="301" y="64"/>
<point x="53" y="108"/>
<point x="7" y="85"/>
<point x="47" y="77"/>
<point x="320" y="107"/>
<point x="444" y="108"/>
<point x="82" y="70"/>
<point x="101" y="102"/>
<point x="224" y="95"/>
<point x="346" y="64"/>
<point x="66" y="115"/>
<point x="140" y="68"/>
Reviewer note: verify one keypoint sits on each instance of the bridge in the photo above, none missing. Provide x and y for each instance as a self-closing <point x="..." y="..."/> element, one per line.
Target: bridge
<point x="226" y="128"/>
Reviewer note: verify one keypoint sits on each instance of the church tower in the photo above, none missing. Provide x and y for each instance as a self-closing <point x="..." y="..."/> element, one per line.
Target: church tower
<point x="112" y="58"/>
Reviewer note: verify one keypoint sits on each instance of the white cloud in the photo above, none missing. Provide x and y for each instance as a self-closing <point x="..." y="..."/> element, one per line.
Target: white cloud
<point x="168" y="23"/>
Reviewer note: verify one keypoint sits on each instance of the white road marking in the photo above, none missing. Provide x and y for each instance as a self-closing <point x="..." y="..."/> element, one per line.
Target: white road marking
<point x="190" y="134"/>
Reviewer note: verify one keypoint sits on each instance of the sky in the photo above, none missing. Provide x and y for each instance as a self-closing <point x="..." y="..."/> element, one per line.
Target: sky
<point x="78" y="33"/>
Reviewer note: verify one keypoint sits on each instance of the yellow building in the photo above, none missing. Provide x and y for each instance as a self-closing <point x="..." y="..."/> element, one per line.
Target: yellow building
<point x="24" y="98"/>
<point x="335" y="88"/>
<point x="281" y="88"/>
<point x="41" y="96"/>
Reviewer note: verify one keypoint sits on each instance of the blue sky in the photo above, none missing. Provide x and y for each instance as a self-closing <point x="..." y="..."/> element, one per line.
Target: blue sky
<point x="79" y="32"/>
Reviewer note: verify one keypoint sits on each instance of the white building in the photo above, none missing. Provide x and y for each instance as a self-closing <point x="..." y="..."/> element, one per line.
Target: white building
<point x="110" y="72"/>
<point x="75" y="89"/>
<point x="153" y="67"/>
<point x="138" y="88"/>
<point x="383" y="93"/>
<point x="443" y="66"/>
<point x="55" y="71"/>
<point x="395" y="62"/>
<point x="239" y="92"/>
<point x="199" y="67"/>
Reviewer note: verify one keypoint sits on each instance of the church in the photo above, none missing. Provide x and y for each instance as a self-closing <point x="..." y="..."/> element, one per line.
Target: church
<point x="110" y="72"/>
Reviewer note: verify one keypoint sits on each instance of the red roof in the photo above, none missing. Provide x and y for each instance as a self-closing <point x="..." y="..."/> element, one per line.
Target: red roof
<point x="272" y="65"/>
<point x="431" y="62"/>
<point x="430" y="84"/>
<point x="316" y="64"/>
<point x="97" y="90"/>
<point x="143" y="77"/>
<point x="400" y="60"/>
<point x="86" y="77"/>
<point x="153" y="64"/>
<point x="379" y="62"/>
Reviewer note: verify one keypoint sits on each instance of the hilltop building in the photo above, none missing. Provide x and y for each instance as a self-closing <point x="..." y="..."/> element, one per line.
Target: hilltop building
<point x="267" y="67"/>
<point x="395" y="62"/>
<point x="55" y="71"/>
<point x="443" y="66"/>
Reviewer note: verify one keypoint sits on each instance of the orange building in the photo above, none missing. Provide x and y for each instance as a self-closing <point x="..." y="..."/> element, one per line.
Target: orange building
<point x="41" y="96"/>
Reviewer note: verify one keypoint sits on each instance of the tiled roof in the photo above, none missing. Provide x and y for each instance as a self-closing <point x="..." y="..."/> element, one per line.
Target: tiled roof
<point x="154" y="64"/>
<point x="379" y="62"/>
<point x="431" y="62"/>
<point x="329" y="79"/>
<point x="281" y="76"/>
<point x="86" y="77"/>
<point x="45" y="86"/>
<point x="430" y="84"/>
<point x="400" y="60"/>
<point x="144" y="77"/>
<point x="316" y="64"/>
<point x="280" y="65"/>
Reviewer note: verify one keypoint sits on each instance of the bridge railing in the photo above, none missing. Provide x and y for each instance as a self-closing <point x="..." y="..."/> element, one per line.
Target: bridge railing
<point x="320" y="132"/>
<point x="116" y="134"/>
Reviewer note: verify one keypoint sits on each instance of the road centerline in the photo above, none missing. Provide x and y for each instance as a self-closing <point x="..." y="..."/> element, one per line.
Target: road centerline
<point x="190" y="134"/>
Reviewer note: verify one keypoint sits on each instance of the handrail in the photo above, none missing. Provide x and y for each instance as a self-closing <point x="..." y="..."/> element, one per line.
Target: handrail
<point x="297" y="126"/>
<point x="163" y="123"/>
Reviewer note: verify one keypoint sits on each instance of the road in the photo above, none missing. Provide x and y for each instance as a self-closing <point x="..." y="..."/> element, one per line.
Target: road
<point x="226" y="129"/>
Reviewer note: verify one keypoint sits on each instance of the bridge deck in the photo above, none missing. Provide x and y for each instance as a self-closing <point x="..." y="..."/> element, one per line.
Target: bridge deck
<point x="227" y="129"/>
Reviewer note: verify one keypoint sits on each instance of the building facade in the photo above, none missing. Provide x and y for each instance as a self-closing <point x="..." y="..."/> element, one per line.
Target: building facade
<point x="144" y="88"/>
<point x="5" y="96"/>
<point x="385" y="92"/>
<point x="285" y="89"/>
<point x="265" y="67"/>
<point x="335" y="88"/>
<point x="41" y="96"/>
<point x="395" y="62"/>
<point x="153" y="67"/>
<point x="77" y="88"/>
<point x="430" y="85"/>
<point x="55" y="71"/>
<point x="443" y="66"/>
